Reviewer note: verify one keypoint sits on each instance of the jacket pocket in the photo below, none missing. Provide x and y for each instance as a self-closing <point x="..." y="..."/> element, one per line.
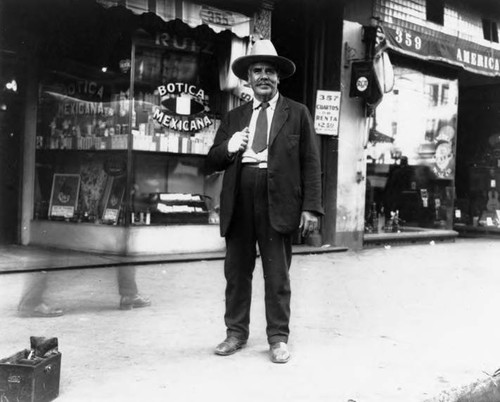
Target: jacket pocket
<point x="292" y="141"/>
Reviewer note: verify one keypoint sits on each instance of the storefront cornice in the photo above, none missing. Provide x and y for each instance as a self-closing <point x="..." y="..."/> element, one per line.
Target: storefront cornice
<point x="247" y="7"/>
<point x="219" y="15"/>
<point x="88" y="32"/>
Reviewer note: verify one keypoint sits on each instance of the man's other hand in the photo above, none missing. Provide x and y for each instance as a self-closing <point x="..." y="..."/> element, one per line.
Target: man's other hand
<point x="308" y="223"/>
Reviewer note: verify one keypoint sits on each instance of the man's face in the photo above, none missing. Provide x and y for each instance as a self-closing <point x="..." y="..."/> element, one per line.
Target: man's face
<point x="263" y="78"/>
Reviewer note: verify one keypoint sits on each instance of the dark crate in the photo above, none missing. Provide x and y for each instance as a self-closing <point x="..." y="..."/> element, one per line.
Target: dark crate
<point x="29" y="383"/>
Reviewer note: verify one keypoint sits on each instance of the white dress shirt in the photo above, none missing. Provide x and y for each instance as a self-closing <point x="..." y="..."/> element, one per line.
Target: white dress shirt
<point x="249" y="156"/>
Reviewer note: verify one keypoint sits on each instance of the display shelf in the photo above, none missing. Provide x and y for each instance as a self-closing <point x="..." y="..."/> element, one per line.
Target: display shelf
<point x="477" y="231"/>
<point x="167" y="153"/>
<point x="197" y="143"/>
<point x="47" y="151"/>
<point x="104" y="151"/>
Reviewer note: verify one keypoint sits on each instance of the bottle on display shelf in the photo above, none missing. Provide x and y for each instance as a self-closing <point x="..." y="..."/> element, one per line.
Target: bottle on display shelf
<point x="134" y="118"/>
<point x="381" y="220"/>
<point x="374" y="216"/>
<point x="121" y="216"/>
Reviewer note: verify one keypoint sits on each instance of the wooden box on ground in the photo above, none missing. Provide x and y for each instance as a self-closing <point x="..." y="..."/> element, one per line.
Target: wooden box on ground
<point x="24" y="382"/>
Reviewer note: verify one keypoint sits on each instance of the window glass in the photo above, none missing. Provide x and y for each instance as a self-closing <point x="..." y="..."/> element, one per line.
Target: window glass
<point x="411" y="149"/>
<point x="176" y="113"/>
<point x="83" y="126"/>
<point x="435" y="11"/>
<point x="490" y="30"/>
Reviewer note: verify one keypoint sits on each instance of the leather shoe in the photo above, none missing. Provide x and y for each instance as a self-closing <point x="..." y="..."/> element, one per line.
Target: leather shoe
<point x="279" y="352"/>
<point x="230" y="345"/>
<point x="41" y="310"/>
<point x="136" y="301"/>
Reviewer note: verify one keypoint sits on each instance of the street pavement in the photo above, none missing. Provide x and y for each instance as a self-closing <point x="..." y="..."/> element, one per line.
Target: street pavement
<point x="404" y="323"/>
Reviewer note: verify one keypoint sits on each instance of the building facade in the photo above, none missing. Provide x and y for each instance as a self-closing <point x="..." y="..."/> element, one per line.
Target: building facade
<point x="109" y="107"/>
<point x="120" y="103"/>
<point x="430" y="149"/>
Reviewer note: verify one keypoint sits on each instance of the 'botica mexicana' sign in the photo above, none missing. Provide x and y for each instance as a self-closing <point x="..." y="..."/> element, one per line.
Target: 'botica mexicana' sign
<point x="184" y="107"/>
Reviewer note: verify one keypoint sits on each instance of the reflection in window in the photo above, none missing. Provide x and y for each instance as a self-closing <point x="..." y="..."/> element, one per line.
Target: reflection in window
<point x="419" y="112"/>
<point x="411" y="155"/>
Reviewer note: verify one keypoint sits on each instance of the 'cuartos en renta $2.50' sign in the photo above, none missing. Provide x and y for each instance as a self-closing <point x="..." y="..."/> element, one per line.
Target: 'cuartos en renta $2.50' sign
<point x="183" y="107"/>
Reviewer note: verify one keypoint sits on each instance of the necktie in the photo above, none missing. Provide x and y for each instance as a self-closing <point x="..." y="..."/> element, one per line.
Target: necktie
<point x="260" y="136"/>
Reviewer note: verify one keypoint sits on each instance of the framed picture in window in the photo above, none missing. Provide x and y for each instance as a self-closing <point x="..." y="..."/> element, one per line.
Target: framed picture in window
<point x="64" y="195"/>
<point x="113" y="198"/>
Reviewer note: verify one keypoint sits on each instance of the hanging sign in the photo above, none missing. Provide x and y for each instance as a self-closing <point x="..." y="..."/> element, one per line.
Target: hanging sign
<point x="327" y="112"/>
<point x="184" y="107"/>
<point x="244" y="92"/>
<point x="211" y="15"/>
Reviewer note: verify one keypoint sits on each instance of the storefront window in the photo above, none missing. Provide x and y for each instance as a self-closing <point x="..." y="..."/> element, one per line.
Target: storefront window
<point x="81" y="159"/>
<point x="411" y="154"/>
<point x="126" y="146"/>
<point x="176" y="113"/>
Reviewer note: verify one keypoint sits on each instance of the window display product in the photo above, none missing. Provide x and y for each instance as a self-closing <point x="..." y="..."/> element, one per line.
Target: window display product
<point x="178" y="208"/>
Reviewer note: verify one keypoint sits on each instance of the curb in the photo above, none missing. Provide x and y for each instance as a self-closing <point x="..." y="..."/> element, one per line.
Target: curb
<point x="28" y="259"/>
<point x="481" y="390"/>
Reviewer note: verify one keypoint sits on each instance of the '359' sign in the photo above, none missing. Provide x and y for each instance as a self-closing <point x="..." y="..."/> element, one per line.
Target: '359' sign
<point x="408" y="39"/>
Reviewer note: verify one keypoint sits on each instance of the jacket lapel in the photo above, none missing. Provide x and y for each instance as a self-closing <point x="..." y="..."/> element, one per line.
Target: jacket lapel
<point x="246" y="115"/>
<point x="242" y="122"/>
<point x="280" y="117"/>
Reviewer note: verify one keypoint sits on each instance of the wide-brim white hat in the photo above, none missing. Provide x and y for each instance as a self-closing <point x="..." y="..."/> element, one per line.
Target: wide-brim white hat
<point x="263" y="51"/>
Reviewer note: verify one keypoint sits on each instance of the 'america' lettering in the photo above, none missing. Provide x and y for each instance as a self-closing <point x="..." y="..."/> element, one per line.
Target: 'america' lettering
<point x="478" y="60"/>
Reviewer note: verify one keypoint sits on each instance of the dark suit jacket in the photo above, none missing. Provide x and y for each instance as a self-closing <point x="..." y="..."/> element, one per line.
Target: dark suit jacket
<point x="294" y="172"/>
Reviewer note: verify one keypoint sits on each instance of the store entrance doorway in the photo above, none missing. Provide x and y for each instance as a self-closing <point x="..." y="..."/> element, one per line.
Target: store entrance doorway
<point x="11" y="129"/>
<point x="477" y="207"/>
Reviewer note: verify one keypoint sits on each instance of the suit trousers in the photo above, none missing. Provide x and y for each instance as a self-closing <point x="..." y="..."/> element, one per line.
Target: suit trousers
<point x="250" y="225"/>
<point x="127" y="285"/>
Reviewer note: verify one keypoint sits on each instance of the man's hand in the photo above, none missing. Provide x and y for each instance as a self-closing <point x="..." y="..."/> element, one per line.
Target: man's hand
<point x="308" y="223"/>
<point x="238" y="141"/>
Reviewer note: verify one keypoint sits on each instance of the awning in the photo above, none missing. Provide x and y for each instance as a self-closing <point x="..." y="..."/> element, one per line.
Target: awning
<point x="191" y="13"/>
<point x="417" y="41"/>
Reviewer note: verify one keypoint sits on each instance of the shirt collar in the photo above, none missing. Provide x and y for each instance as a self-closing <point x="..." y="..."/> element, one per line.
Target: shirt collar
<point x="272" y="102"/>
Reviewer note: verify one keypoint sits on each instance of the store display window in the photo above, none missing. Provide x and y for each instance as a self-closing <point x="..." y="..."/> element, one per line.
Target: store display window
<point x="176" y="113"/>
<point x="135" y="137"/>
<point x="83" y="127"/>
<point x="411" y="153"/>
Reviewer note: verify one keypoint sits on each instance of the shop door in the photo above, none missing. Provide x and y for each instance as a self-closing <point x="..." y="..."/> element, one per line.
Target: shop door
<point x="10" y="151"/>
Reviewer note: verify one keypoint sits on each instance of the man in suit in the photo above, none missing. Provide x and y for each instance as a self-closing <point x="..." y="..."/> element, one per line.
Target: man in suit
<point x="271" y="187"/>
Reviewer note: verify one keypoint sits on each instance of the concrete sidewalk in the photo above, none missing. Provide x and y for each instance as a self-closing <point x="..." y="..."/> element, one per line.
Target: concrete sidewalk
<point x="385" y="324"/>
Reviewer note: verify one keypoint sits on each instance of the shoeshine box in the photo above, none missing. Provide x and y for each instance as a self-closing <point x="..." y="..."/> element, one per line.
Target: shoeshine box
<point x="21" y="381"/>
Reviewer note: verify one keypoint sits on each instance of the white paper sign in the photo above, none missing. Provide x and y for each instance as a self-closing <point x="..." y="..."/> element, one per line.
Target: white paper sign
<point x="327" y="112"/>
